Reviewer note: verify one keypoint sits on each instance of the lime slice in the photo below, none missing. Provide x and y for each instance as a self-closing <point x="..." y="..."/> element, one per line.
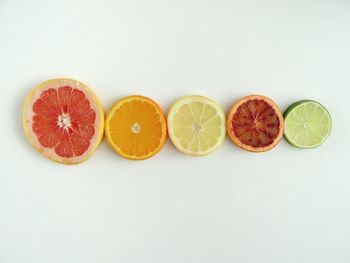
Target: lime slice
<point x="307" y="124"/>
<point x="196" y="125"/>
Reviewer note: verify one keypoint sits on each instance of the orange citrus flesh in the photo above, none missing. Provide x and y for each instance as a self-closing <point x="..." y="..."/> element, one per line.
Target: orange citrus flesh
<point x="63" y="119"/>
<point x="255" y="123"/>
<point x="136" y="127"/>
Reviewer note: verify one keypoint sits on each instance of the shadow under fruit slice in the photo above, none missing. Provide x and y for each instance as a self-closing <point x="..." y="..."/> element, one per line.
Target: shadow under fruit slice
<point x="136" y="127"/>
<point x="307" y="124"/>
<point x="63" y="120"/>
<point x="255" y="123"/>
<point x="196" y="125"/>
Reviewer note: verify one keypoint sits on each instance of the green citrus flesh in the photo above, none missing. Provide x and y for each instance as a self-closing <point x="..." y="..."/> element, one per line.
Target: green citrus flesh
<point x="307" y="124"/>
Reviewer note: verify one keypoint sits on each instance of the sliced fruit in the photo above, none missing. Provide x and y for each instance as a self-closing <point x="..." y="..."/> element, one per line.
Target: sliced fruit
<point x="307" y="124"/>
<point x="255" y="123"/>
<point x="136" y="127"/>
<point x="63" y="120"/>
<point x="196" y="125"/>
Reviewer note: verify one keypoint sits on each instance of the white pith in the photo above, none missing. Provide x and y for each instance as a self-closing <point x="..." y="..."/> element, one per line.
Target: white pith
<point x="64" y="121"/>
<point x="136" y="128"/>
<point x="197" y="127"/>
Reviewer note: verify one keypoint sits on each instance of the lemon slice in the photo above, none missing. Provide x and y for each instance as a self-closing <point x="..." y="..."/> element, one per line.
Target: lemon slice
<point x="196" y="125"/>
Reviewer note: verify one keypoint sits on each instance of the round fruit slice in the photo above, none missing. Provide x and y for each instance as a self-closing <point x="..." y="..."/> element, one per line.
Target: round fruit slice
<point x="307" y="124"/>
<point x="136" y="127"/>
<point x="255" y="123"/>
<point x="196" y="125"/>
<point x="63" y="120"/>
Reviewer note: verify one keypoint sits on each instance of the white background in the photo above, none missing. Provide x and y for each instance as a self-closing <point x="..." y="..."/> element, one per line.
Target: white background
<point x="286" y="205"/>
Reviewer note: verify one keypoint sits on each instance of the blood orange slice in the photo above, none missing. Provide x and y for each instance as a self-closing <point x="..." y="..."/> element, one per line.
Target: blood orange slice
<point x="255" y="123"/>
<point x="63" y="120"/>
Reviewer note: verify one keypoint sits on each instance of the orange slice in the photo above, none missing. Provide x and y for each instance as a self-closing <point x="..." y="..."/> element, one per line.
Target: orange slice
<point x="136" y="128"/>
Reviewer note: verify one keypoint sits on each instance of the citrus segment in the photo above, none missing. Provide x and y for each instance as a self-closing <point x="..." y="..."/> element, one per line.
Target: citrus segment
<point x="255" y="123"/>
<point x="64" y="120"/>
<point x="196" y="125"/>
<point x="136" y="127"/>
<point x="307" y="124"/>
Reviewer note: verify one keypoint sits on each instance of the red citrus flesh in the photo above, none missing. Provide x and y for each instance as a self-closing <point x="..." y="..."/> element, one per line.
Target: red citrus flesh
<point x="255" y="123"/>
<point x="62" y="119"/>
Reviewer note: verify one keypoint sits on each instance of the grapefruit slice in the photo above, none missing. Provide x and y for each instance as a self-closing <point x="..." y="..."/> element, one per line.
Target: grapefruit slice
<point x="196" y="125"/>
<point x="255" y="123"/>
<point x="136" y="127"/>
<point x="63" y="120"/>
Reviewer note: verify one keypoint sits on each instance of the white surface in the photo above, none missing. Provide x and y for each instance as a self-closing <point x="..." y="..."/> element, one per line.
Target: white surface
<point x="284" y="206"/>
